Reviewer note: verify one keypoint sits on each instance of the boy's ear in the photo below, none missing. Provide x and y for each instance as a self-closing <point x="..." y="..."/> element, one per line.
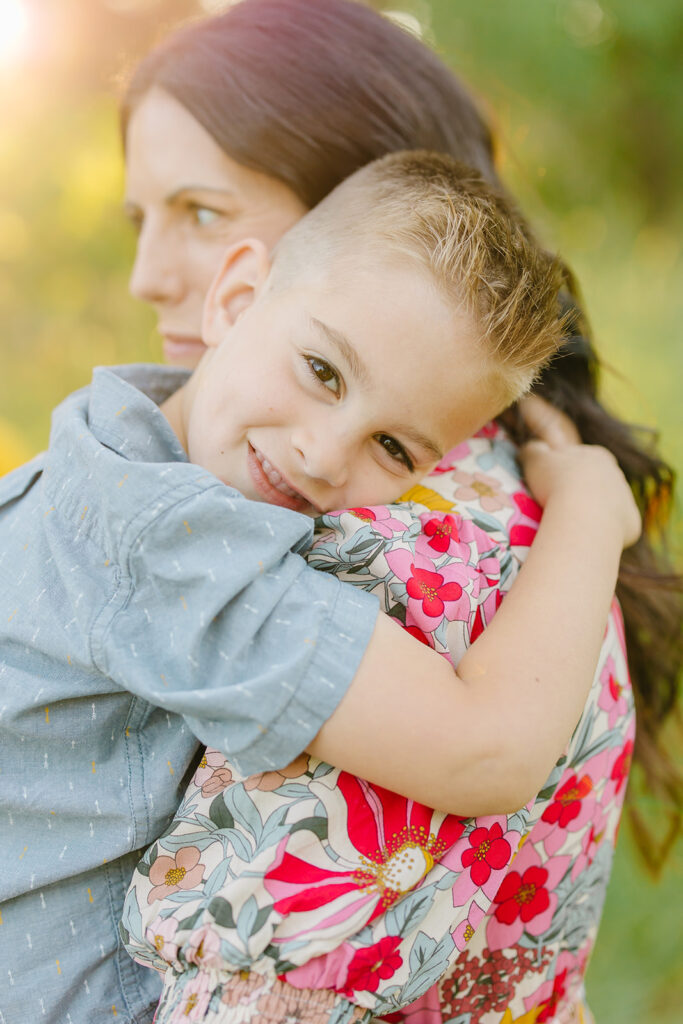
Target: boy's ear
<point x="241" y="276"/>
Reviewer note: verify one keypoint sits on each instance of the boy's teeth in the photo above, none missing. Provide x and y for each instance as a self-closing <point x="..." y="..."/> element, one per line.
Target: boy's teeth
<point x="275" y="478"/>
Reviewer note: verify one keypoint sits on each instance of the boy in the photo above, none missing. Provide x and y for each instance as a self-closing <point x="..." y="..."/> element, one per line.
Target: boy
<point x="139" y="585"/>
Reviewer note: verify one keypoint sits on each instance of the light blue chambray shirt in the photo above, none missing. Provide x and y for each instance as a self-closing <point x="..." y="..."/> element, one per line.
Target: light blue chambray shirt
<point x="143" y="604"/>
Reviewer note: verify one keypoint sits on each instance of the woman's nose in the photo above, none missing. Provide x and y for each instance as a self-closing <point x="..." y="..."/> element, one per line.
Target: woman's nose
<point x="156" y="276"/>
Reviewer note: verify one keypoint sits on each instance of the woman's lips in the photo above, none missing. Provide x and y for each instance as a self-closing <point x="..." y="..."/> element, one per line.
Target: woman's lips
<point x="181" y="348"/>
<point x="270" y="483"/>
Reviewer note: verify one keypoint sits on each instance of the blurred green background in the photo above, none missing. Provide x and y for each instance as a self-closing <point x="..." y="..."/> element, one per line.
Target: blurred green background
<point x="587" y="102"/>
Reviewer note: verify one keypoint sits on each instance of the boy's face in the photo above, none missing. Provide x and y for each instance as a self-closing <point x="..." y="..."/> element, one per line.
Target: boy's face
<point x="338" y="391"/>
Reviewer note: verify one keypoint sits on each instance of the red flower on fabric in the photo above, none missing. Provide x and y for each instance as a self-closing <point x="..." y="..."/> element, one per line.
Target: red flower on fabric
<point x="489" y="430"/>
<point x="522" y="896"/>
<point x="488" y="850"/>
<point x="441" y="532"/>
<point x="615" y="687"/>
<point x="366" y="514"/>
<point x="418" y="634"/>
<point x="380" y="519"/>
<point x="549" y="1007"/>
<point x="373" y="964"/>
<point x="566" y="803"/>
<point x="521" y="533"/>
<point x="479" y="624"/>
<point x="432" y="590"/>
<point x="622" y="766"/>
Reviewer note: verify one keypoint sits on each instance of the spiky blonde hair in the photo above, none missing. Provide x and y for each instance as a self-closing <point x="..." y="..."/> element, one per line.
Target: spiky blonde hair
<point x="428" y="208"/>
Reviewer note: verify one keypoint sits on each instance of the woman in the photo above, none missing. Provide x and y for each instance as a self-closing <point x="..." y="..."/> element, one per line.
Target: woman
<point x="238" y="125"/>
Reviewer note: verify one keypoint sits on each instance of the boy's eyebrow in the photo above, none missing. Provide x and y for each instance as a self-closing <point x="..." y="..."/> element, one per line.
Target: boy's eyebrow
<point x="345" y="349"/>
<point x="349" y="353"/>
<point x="424" y="442"/>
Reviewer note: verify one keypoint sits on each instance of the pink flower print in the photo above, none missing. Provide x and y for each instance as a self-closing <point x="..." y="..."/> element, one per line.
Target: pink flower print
<point x="483" y="854"/>
<point x="384" y="845"/>
<point x="424" y="638"/>
<point x="614" y="765"/>
<point x="268" y="781"/>
<point x="217" y="782"/>
<point x="432" y="591"/>
<point x="622" y="766"/>
<point x="558" y="991"/>
<point x="570" y="809"/>
<point x="169" y="874"/>
<point x="442" y="532"/>
<point x="485" y="610"/>
<point x="432" y="595"/>
<point x="195" y="999"/>
<point x="466" y="929"/>
<point x="212" y="774"/>
<point x="524" y="896"/>
<point x="566" y="805"/>
<point x="482" y="488"/>
<point x="490" y="431"/>
<point x="372" y="964"/>
<point x="549" y="996"/>
<point x="161" y="934"/>
<point x="203" y="948"/>
<point x="380" y="519"/>
<point x="327" y="971"/>
<point x="488" y="850"/>
<point x="612" y="698"/>
<point x="525" y="900"/>
<point x="525" y="519"/>
<point x="451" y="459"/>
<point x="590" y="841"/>
<point x="211" y="759"/>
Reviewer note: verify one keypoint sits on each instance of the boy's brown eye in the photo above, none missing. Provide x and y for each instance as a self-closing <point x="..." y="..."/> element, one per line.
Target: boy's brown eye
<point x="396" y="450"/>
<point x="324" y="373"/>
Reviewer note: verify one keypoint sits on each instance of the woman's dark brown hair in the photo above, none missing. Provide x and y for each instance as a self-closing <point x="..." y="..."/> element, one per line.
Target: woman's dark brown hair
<point x="308" y="92"/>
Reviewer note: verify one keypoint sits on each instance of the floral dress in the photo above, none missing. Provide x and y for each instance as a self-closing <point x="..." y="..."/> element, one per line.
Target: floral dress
<point x="310" y="895"/>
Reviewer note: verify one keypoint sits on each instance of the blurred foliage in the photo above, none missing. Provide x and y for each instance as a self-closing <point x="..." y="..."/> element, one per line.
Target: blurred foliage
<point x="588" y="112"/>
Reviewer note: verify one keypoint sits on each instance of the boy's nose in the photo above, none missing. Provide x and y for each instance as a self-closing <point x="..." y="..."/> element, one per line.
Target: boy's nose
<point x="324" y="459"/>
<point x="156" y="276"/>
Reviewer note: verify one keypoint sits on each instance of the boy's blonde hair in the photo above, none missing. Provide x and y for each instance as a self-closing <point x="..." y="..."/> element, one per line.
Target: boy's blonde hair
<point x="430" y="209"/>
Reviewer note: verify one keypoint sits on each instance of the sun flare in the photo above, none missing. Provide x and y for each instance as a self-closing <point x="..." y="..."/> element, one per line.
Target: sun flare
<point x="14" y="23"/>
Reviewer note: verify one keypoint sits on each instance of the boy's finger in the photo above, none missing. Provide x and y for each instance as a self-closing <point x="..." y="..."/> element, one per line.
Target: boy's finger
<point x="548" y="423"/>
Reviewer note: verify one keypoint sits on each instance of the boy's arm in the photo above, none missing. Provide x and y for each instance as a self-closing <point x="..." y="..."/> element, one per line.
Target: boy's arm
<point x="485" y="740"/>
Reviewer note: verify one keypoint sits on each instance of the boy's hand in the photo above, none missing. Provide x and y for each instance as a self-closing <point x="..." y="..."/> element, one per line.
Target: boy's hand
<point x="558" y="468"/>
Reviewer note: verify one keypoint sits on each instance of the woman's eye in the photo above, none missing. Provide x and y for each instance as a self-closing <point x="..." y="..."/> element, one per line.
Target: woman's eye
<point x="395" y="450"/>
<point x="204" y="215"/>
<point x="324" y="373"/>
<point x="135" y="218"/>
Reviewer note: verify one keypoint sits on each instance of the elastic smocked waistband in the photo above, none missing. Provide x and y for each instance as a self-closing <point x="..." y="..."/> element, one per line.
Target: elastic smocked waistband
<point x="248" y="997"/>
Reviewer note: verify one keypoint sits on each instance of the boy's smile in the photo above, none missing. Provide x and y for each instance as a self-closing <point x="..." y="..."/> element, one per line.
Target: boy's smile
<point x="330" y="394"/>
<point x="269" y="482"/>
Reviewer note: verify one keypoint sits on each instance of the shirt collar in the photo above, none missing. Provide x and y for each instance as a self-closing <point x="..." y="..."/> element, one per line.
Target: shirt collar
<point x="123" y="411"/>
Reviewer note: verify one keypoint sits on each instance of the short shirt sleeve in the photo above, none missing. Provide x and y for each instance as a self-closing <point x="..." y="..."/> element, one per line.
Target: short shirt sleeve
<point x="216" y="617"/>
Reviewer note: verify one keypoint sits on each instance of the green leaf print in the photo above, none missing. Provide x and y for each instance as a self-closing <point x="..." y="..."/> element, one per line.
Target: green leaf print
<point x="219" y="813"/>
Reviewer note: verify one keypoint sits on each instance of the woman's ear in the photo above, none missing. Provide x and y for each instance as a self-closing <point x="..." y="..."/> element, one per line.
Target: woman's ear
<point x="240" y="278"/>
